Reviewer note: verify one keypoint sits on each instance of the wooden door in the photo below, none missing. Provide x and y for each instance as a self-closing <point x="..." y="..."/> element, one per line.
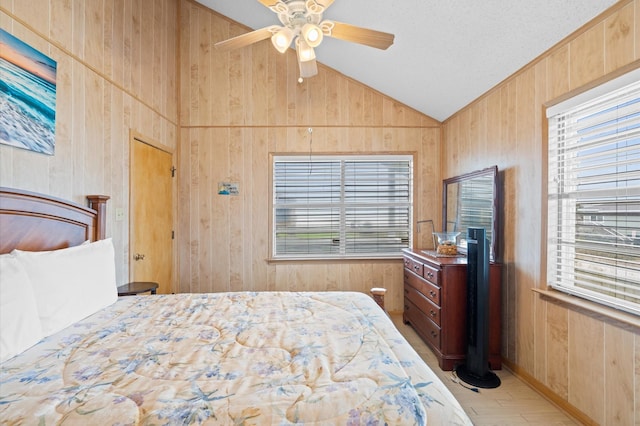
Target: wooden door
<point x="151" y="223"/>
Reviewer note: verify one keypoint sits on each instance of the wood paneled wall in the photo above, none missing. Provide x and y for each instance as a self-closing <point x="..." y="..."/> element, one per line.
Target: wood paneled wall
<point x="589" y="363"/>
<point x="239" y="107"/>
<point x="117" y="72"/>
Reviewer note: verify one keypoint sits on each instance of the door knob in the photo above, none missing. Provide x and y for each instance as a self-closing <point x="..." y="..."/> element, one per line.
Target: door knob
<point x="138" y="256"/>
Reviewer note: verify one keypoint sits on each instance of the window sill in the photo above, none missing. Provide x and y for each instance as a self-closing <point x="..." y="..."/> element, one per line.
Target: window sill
<point x="272" y="260"/>
<point x="591" y="308"/>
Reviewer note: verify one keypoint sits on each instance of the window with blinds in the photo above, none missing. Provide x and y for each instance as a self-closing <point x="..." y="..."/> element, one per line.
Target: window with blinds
<point x="593" y="241"/>
<point x="342" y="206"/>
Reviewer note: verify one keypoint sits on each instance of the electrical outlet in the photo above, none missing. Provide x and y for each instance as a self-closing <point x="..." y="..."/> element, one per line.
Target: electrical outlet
<point x="119" y="214"/>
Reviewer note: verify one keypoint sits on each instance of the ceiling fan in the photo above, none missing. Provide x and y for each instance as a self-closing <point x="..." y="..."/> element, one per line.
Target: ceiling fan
<point x="302" y="24"/>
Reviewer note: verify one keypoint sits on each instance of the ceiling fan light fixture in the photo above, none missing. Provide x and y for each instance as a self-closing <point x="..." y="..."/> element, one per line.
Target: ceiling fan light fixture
<point x="281" y="39"/>
<point x="305" y="52"/>
<point x="312" y="34"/>
<point x="308" y="69"/>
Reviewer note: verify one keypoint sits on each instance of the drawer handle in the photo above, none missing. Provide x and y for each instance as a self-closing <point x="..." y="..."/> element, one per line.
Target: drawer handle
<point x="406" y="291"/>
<point x="433" y="313"/>
<point x="434" y="334"/>
<point x="432" y="293"/>
<point x="429" y="274"/>
<point x="416" y="267"/>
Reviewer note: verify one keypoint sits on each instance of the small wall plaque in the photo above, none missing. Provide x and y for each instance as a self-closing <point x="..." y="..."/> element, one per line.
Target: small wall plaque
<point x="228" y="188"/>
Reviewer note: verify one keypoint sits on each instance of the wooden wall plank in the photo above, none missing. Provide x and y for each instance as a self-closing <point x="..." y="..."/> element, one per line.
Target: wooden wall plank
<point x="209" y="251"/>
<point x="36" y="11"/>
<point x="94" y="34"/>
<point x="202" y="51"/>
<point x="618" y="362"/>
<point x="235" y="218"/>
<point x="135" y="85"/>
<point x="61" y="15"/>
<point x="194" y="218"/>
<point x="171" y="96"/>
<point x="258" y="80"/>
<point x="620" y="38"/>
<point x="94" y="132"/>
<point x="586" y="55"/>
<point x="586" y="365"/>
<point x="525" y="84"/>
<point x="107" y="38"/>
<point x="184" y="197"/>
<point x="62" y="161"/>
<point x="117" y="56"/>
<point x="127" y="55"/>
<point x="558" y="69"/>
<point x="557" y="333"/>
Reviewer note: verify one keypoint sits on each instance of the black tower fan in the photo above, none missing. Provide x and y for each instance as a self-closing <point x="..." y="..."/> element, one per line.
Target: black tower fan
<point x="475" y="370"/>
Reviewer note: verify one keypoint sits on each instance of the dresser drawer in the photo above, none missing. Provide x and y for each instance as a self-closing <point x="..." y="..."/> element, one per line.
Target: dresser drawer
<point x="431" y="274"/>
<point x="429" y="331"/>
<point x="413" y="266"/>
<point x="425" y="305"/>
<point x="429" y="290"/>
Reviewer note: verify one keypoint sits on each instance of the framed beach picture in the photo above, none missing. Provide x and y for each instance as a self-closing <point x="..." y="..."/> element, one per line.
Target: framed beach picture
<point x="27" y="96"/>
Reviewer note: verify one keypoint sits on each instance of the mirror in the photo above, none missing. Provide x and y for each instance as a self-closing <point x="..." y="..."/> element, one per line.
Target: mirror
<point x="471" y="200"/>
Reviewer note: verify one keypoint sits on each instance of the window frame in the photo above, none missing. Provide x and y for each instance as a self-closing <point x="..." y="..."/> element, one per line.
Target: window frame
<point x="396" y="156"/>
<point x="555" y="279"/>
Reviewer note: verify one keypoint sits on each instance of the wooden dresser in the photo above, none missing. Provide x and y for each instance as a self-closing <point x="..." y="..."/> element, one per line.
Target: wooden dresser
<point x="435" y="304"/>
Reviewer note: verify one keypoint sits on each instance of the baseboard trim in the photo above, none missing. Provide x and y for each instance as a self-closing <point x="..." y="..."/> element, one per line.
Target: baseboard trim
<point x="549" y="394"/>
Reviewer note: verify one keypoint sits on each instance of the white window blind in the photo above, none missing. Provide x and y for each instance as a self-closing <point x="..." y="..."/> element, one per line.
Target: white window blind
<point x="342" y="206"/>
<point x="593" y="247"/>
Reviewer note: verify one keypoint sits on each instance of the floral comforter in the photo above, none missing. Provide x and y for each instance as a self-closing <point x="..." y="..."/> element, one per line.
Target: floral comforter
<point x="281" y="358"/>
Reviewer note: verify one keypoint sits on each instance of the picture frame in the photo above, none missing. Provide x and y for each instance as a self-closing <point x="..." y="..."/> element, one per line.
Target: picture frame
<point x="27" y="96"/>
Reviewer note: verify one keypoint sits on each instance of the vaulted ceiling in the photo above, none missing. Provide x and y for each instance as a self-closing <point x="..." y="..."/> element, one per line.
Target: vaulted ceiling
<point x="446" y="52"/>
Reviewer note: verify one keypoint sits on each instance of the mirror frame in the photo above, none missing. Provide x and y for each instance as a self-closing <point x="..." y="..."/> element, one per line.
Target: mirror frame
<point x="489" y="171"/>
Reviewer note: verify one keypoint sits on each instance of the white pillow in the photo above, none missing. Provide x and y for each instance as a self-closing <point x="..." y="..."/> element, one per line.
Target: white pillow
<point x="19" y="322"/>
<point x="71" y="284"/>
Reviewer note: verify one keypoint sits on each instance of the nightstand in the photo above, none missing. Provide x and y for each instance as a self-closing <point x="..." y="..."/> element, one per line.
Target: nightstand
<point x="137" y="287"/>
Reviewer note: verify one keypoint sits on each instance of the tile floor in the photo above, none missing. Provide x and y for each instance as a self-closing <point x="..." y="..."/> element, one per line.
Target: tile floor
<point x="512" y="403"/>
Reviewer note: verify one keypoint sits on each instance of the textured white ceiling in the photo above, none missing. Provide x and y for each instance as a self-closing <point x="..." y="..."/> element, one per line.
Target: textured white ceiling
<point x="446" y="52"/>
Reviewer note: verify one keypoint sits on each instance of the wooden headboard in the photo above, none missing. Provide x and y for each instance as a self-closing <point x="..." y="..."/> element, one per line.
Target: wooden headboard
<point x="36" y="222"/>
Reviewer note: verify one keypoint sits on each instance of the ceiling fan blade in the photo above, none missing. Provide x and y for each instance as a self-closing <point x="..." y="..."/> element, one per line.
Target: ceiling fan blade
<point x="348" y="32"/>
<point x="308" y="68"/>
<point x="268" y="3"/>
<point x="325" y="3"/>
<point x="277" y="6"/>
<point x="245" y="39"/>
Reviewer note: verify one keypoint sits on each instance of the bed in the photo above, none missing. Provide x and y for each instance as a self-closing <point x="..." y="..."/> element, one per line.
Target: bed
<point x="220" y="358"/>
